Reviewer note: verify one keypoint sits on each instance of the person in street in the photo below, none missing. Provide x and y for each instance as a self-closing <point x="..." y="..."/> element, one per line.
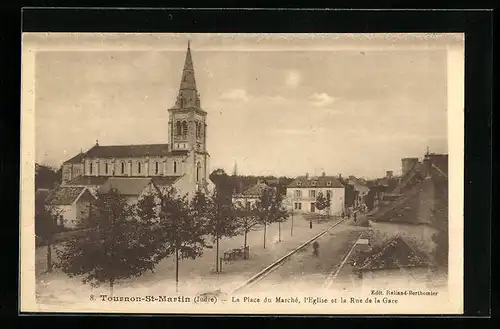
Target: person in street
<point x="310" y="224"/>
<point x="355" y="217"/>
<point x="316" y="248"/>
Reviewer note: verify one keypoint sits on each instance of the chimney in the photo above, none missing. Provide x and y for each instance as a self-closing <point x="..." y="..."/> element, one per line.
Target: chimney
<point x="389" y="173"/>
<point x="323" y="174"/>
<point x="307" y="175"/>
<point x="340" y="176"/>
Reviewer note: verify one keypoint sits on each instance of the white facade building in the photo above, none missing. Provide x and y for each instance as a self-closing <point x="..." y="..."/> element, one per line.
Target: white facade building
<point x="302" y="193"/>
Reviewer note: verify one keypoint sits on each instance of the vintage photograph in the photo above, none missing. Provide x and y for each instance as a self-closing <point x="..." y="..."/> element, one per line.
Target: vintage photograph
<point x="242" y="173"/>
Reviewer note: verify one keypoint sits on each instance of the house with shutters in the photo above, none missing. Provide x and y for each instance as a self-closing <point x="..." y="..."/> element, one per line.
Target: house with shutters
<point x="184" y="158"/>
<point x="302" y="192"/>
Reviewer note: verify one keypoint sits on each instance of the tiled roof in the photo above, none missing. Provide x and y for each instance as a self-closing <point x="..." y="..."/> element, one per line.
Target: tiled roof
<point x="88" y="181"/>
<point x="256" y="190"/>
<point x="165" y="180"/>
<point x="76" y="159"/>
<point x="393" y="254"/>
<point x="126" y="185"/>
<point x="358" y="185"/>
<point x="65" y="195"/>
<point x="405" y="209"/>
<point x="121" y="151"/>
<point x="320" y="181"/>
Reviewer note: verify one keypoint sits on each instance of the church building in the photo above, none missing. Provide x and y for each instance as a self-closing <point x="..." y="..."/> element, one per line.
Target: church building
<point x="183" y="162"/>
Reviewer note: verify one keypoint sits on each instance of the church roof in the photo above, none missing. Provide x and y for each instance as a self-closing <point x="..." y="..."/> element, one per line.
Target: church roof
<point x="165" y="180"/>
<point x="76" y="159"/>
<point x="88" y="181"/>
<point x="122" y="151"/>
<point x="126" y="185"/>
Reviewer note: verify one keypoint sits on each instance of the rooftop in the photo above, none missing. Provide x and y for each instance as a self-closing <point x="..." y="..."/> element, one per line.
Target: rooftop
<point x="88" y="181"/>
<point x="394" y="253"/>
<point x="165" y="180"/>
<point x="77" y="158"/>
<point x="65" y="195"/>
<point x="317" y="181"/>
<point x="132" y="186"/>
<point x="122" y="151"/>
<point x="255" y="190"/>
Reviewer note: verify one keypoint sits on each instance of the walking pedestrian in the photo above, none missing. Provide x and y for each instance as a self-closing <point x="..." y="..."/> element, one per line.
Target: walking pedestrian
<point x="316" y="248"/>
<point x="310" y="224"/>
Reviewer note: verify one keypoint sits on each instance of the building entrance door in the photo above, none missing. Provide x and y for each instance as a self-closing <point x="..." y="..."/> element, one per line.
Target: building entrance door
<point x="313" y="207"/>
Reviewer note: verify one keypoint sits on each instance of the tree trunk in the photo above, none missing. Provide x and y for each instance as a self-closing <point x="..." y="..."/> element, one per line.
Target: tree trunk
<point x="265" y="227"/>
<point x="245" y="256"/>
<point x="217" y="255"/>
<point x="176" y="269"/>
<point x="111" y="283"/>
<point x="49" y="255"/>
<point x="291" y="229"/>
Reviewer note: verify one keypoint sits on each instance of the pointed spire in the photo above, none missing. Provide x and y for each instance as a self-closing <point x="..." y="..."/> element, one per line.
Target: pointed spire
<point x="188" y="94"/>
<point x="235" y="169"/>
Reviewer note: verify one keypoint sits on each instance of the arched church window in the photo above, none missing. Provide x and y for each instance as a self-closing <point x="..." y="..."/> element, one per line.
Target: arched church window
<point x="139" y="167"/>
<point x="178" y="128"/>
<point x="175" y="167"/>
<point x="197" y="129"/>
<point x="184" y="128"/>
<point x="123" y="167"/>
<point x="90" y="168"/>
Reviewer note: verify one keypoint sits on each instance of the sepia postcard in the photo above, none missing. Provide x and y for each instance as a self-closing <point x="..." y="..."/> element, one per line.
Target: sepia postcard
<point x="242" y="173"/>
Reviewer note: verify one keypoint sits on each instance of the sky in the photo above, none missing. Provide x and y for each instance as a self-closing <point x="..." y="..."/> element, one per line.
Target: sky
<point x="277" y="105"/>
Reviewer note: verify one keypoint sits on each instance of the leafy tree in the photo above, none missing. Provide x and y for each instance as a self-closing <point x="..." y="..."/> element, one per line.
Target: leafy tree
<point x="278" y="214"/>
<point x="46" y="176"/>
<point x="181" y="226"/>
<point x="46" y="225"/>
<point x="269" y="209"/>
<point x="322" y="202"/>
<point x="220" y="219"/>
<point x="118" y="244"/>
<point x="223" y="182"/>
<point x="245" y="219"/>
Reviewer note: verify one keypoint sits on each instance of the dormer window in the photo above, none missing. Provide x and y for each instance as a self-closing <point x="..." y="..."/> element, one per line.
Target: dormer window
<point x="313" y="183"/>
<point x="299" y="183"/>
<point x="328" y="183"/>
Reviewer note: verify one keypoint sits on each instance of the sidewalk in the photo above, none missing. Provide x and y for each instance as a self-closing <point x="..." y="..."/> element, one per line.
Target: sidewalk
<point x="197" y="275"/>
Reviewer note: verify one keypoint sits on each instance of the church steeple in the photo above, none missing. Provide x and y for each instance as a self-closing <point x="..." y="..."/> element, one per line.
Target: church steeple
<point x="188" y="94"/>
